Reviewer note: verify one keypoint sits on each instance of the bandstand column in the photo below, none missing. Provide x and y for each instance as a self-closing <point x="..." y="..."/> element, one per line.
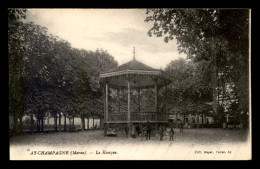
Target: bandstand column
<point x="128" y="105"/>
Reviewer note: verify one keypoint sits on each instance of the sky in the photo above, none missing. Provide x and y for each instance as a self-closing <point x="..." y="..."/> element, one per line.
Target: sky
<point x="115" y="30"/>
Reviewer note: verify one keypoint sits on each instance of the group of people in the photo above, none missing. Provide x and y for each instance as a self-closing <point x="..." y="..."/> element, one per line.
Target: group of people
<point x="145" y="131"/>
<point x="171" y="133"/>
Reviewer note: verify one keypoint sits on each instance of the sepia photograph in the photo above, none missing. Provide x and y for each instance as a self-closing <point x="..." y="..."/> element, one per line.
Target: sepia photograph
<point x="129" y="84"/>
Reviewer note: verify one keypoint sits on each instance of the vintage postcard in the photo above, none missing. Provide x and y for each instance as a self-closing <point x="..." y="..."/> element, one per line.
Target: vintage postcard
<point x="129" y="84"/>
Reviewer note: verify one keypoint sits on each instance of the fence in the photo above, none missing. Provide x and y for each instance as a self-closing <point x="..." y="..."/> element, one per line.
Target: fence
<point x="142" y="116"/>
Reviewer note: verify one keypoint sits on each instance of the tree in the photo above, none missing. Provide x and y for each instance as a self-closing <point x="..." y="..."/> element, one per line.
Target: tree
<point x="16" y="61"/>
<point x="209" y="35"/>
<point x="49" y="77"/>
<point x="43" y="70"/>
<point x="191" y="92"/>
<point x="105" y="62"/>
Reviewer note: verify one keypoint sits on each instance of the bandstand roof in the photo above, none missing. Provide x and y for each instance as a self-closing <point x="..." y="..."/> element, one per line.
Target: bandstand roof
<point x="140" y="75"/>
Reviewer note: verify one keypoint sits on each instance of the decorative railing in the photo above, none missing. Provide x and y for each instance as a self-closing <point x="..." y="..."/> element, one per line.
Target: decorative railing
<point x="140" y="116"/>
<point x="117" y="117"/>
<point x="162" y="117"/>
<point x="147" y="116"/>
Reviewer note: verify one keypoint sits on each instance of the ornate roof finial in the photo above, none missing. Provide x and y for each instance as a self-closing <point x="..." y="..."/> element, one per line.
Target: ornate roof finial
<point x="134" y="54"/>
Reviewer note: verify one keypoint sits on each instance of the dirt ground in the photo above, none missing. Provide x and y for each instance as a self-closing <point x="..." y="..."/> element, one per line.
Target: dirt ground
<point x="191" y="144"/>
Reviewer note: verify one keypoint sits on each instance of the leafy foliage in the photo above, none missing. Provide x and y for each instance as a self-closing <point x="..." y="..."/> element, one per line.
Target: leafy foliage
<point x="191" y="91"/>
<point x="215" y="36"/>
<point x="16" y="61"/>
<point x="47" y="76"/>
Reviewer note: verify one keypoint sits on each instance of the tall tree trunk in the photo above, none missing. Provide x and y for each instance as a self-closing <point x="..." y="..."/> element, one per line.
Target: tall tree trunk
<point x="83" y="123"/>
<point x="59" y="122"/>
<point x="93" y="122"/>
<point x="42" y="123"/>
<point x="55" y="123"/>
<point x="65" y="123"/>
<point x="198" y="120"/>
<point x="101" y="123"/>
<point x="21" y="124"/>
<point x="202" y="120"/>
<point x="88" y="122"/>
<point x="70" y="123"/>
<point x="36" y="120"/>
<point x="197" y="125"/>
<point x="176" y="120"/>
<point x="214" y="79"/>
<point x="38" y="125"/>
<point x="73" y="123"/>
<point x="32" y="122"/>
<point x="15" y="123"/>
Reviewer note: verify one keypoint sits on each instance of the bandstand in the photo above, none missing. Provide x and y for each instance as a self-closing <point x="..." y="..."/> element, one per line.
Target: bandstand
<point x="130" y="76"/>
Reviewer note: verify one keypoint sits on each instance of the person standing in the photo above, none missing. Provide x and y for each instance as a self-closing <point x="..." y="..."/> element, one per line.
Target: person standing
<point x="171" y="134"/>
<point x="161" y="133"/>
<point x="143" y="132"/>
<point x="181" y="127"/>
<point x="133" y="131"/>
<point x="138" y="130"/>
<point x="148" y="133"/>
<point x="126" y="131"/>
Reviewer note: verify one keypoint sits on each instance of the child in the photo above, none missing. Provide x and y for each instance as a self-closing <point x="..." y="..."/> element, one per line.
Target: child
<point x="171" y="134"/>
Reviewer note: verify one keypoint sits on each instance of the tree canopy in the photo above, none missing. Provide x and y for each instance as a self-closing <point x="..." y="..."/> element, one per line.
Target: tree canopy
<point x="47" y="75"/>
<point x="191" y="91"/>
<point x="217" y="36"/>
